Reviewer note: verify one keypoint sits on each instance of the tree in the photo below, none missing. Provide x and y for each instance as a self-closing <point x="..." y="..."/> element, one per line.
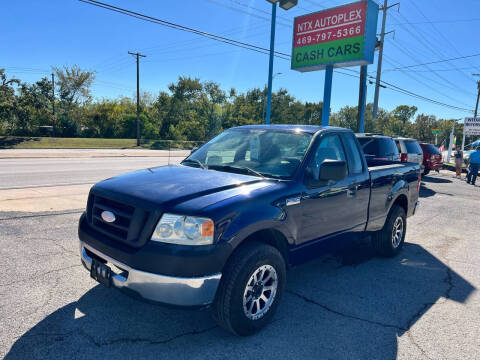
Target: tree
<point x="74" y="85"/>
<point x="34" y="106"/>
<point x="404" y="113"/>
<point x="7" y="102"/>
<point x="185" y="94"/>
<point x="212" y="100"/>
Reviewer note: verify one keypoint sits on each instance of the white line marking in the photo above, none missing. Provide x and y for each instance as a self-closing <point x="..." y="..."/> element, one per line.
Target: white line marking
<point x="329" y="27"/>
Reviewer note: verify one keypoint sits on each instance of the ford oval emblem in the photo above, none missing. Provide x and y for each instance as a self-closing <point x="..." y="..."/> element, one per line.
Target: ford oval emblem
<point x="108" y="216"/>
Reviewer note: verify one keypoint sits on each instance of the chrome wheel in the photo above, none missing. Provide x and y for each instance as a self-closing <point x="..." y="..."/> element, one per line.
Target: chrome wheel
<point x="260" y="292"/>
<point x="397" y="232"/>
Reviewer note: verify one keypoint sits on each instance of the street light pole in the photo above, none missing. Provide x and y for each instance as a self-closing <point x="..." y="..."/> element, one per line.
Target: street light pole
<point x="265" y="98"/>
<point x="285" y="5"/>
<point x="270" y="62"/>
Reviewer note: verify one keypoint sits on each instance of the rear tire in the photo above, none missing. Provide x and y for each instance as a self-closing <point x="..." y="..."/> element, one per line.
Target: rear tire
<point x="250" y="290"/>
<point x="389" y="241"/>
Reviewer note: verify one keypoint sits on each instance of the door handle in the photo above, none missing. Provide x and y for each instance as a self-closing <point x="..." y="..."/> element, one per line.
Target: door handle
<point x="352" y="191"/>
<point x="292" y="201"/>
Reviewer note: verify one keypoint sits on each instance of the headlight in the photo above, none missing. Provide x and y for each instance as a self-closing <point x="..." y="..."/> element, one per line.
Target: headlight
<point x="184" y="230"/>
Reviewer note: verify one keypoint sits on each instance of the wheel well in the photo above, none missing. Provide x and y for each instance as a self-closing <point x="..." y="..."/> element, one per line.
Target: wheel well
<point x="271" y="237"/>
<point x="402" y="202"/>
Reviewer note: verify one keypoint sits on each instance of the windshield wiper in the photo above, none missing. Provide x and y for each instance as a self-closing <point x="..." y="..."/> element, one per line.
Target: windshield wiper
<point x="241" y="168"/>
<point x="195" y="161"/>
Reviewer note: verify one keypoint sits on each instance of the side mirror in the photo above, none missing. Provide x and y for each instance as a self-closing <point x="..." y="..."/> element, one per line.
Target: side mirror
<point x="335" y="170"/>
<point x="195" y="148"/>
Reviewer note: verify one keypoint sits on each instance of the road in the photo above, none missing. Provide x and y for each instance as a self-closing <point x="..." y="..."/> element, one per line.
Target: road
<point x="17" y="173"/>
<point x="422" y="304"/>
<point x="59" y="180"/>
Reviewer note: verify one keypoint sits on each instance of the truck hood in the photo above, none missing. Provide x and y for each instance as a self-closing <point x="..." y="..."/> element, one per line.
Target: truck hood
<point x="170" y="185"/>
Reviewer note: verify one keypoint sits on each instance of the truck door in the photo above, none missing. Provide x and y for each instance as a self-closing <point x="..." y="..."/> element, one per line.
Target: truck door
<point x="359" y="187"/>
<point x="338" y="207"/>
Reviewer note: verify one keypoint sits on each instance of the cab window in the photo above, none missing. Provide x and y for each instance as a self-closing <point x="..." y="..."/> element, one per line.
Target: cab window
<point x="355" y="163"/>
<point x="330" y="148"/>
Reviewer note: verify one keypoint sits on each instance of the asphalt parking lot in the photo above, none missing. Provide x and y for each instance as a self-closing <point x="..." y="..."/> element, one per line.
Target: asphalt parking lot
<point x="422" y="304"/>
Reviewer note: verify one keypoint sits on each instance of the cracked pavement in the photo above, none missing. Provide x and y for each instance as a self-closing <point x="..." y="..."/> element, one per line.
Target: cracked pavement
<point x="422" y="304"/>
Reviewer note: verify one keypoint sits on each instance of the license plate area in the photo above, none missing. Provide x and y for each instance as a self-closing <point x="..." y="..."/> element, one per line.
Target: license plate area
<point x="101" y="272"/>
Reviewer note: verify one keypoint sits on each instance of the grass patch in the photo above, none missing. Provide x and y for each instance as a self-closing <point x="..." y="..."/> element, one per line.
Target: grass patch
<point x="18" y="142"/>
<point x="13" y="142"/>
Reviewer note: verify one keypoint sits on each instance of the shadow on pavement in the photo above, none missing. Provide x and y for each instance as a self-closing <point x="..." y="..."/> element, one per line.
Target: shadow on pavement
<point x="425" y="191"/>
<point x="334" y="308"/>
<point x="436" y="180"/>
<point x="7" y="142"/>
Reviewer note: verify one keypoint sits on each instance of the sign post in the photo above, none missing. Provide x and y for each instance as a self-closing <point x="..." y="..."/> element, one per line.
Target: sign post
<point x="327" y="95"/>
<point x="338" y="37"/>
<point x="362" y="99"/>
<point x="436" y="132"/>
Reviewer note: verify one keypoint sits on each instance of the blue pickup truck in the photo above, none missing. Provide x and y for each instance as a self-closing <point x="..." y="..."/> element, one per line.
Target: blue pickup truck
<point x="221" y="228"/>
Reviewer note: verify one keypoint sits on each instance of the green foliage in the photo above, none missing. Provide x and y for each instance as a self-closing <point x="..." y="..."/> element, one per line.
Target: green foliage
<point x="191" y="110"/>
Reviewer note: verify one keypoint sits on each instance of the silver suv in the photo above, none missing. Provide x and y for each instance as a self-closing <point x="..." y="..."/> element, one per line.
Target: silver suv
<point x="410" y="150"/>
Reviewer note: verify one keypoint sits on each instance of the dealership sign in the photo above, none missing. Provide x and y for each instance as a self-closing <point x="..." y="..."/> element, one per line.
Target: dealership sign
<point x="471" y="126"/>
<point x="341" y="36"/>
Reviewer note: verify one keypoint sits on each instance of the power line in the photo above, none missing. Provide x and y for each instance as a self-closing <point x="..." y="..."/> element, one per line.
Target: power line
<point x="420" y="38"/>
<point x="442" y="82"/>
<point x="438" y="22"/>
<point x="180" y="27"/>
<point x="419" y="80"/>
<point x="443" y="37"/>
<point x="398" y="89"/>
<point x="443" y="70"/>
<point x="252" y="47"/>
<point x="431" y="62"/>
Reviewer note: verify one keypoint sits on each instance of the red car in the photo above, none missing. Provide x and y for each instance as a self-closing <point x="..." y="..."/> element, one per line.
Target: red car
<point x="432" y="158"/>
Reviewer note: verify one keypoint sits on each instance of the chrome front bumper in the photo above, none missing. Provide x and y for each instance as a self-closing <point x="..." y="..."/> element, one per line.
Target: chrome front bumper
<point x="188" y="292"/>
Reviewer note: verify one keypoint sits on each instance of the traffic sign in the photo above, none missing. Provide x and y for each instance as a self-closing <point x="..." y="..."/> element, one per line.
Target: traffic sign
<point x="436" y="131"/>
<point x="341" y="36"/>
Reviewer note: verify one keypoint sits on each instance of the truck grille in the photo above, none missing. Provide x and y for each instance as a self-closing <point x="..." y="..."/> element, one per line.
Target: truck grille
<point x="128" y="224"/>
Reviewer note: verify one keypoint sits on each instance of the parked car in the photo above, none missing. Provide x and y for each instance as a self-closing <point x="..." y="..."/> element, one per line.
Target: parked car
<point x="222" y="228"/>
<point x="432" y="158"/>
<point x="378" y="147"/>
<point x="410" y="150"/>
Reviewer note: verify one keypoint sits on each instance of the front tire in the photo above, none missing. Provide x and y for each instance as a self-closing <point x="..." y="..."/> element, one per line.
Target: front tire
<point x="389" y="241"/>
<point x="251" y="287"/>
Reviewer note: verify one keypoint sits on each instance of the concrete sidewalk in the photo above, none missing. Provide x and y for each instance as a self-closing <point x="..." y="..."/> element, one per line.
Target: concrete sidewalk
<point x="40" y="199"/>
<point x="88" y="153"/>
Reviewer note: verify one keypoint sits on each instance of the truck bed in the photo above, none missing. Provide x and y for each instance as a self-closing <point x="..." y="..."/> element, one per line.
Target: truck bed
<point x="386" y="177"/>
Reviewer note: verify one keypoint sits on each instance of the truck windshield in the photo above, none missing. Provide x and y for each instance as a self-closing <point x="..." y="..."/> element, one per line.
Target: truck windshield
<point x="270" y="153"/>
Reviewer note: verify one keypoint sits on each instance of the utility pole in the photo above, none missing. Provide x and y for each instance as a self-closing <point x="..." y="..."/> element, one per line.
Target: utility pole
<point x="380" y="57"/>
<point x="138" y="55"/>
<point x="53" y="103"/>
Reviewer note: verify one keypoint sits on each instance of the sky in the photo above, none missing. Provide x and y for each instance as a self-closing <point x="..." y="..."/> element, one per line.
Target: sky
<point x="39" y="34"/>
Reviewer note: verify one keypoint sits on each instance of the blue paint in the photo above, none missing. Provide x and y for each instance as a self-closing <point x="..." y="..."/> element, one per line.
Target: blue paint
<point x="362" y="98"/>
<point x="270" y="62"/>
<point x="370" y="32"/>
<point x="327" y="95"/>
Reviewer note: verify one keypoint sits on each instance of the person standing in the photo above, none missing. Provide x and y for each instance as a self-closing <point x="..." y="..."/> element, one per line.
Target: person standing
<point x="474" y="166"/>
<point x="458" y="163"/>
